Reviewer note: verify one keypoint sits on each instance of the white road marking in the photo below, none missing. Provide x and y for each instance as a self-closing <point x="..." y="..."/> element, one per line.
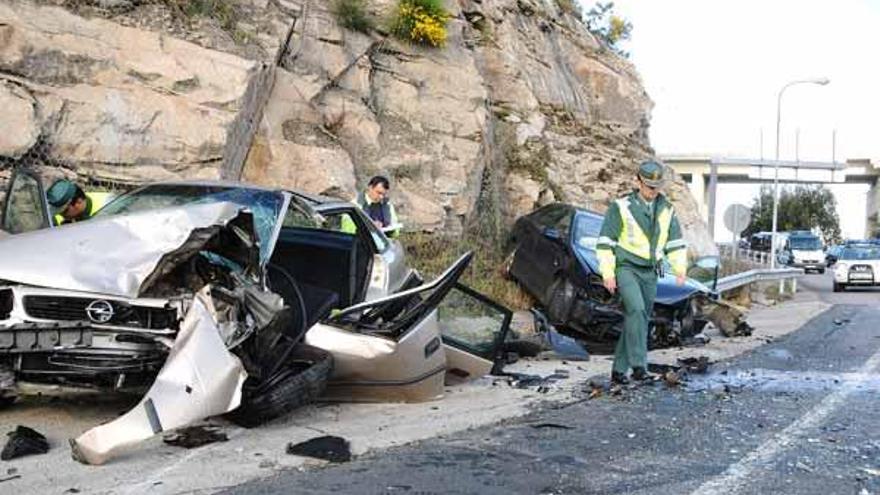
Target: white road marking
<point x="738" y="474"/>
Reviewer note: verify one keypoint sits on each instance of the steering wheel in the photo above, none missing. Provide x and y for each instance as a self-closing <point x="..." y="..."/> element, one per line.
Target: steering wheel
<point x="281" y="282"/>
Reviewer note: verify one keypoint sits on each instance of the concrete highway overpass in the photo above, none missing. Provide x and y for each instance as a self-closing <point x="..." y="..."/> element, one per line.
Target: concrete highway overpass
<point x="703" y="173"/>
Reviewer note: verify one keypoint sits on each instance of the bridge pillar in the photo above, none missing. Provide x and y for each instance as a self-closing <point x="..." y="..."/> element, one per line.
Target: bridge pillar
<point x="710" y="203"/>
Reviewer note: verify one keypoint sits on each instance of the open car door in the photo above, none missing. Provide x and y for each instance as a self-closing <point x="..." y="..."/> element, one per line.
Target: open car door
<point x="399" y="348"/>
<point x="473" y="328"/>
<point x="25" y="207"/>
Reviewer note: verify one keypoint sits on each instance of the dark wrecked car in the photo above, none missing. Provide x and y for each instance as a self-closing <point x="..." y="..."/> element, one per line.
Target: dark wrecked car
<point x="224" y="297"/>
<point x="553" y="258"/>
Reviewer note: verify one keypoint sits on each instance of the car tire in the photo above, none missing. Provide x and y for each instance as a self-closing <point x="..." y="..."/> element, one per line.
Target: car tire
<point x="303" y="379"/>
<point x="821" y="271"/>
<point x="838" y="287"/>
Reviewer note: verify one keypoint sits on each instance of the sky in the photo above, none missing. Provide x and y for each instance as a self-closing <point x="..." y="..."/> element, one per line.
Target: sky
<point x="714" y="69"/>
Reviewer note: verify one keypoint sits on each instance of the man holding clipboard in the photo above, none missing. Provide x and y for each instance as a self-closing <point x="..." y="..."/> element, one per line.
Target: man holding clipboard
<point x="374" y="201"/>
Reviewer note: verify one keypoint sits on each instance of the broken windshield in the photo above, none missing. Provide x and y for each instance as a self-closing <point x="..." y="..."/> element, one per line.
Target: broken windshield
<point x="264" y="205"/>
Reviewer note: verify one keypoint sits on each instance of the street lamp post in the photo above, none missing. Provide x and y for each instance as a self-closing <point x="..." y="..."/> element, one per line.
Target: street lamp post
<point x="820" y="81"/>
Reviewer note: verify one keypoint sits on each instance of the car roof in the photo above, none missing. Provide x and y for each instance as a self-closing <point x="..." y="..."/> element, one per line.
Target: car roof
<point x="568" y="206"/>
<point x="316" y="199"/>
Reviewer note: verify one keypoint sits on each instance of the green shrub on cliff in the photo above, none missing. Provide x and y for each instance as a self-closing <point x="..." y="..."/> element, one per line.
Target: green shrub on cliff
<point x="352" y="14"/>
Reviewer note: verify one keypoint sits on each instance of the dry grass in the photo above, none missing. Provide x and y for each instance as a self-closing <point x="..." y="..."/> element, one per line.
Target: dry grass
<point x="431" y="254"/>
<point x="729" y="266"/>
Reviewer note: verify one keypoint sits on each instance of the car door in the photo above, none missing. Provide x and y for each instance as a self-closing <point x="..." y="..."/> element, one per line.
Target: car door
<point x="405" y="346"/>
<point x="540" y="253"/>
<point x="25" y="207"/>
<point x="387" y="271"/>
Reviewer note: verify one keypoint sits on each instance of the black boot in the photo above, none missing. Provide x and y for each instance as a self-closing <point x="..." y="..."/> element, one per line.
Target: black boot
<point x="641" y="374"/>
<point x="618" y="378"/>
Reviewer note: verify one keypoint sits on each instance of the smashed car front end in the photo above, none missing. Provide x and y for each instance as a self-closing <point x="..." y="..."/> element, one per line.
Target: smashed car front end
<point x="52" y="336"/>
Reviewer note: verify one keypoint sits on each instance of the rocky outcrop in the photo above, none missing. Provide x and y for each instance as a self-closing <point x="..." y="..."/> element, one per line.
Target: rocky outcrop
<point x="521" y="107"/>
<point x="112" y="102"/>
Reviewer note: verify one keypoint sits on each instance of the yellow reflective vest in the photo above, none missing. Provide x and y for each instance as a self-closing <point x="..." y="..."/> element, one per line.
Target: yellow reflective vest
<point x="95" y="201"/>
<point x="640" y="235"/>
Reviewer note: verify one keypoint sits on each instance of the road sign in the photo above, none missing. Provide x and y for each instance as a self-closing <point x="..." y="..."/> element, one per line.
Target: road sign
<point x="737" y="217"/>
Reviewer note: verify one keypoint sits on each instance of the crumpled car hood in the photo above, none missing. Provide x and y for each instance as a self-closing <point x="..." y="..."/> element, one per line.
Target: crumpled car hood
<point x="111" y="255"/>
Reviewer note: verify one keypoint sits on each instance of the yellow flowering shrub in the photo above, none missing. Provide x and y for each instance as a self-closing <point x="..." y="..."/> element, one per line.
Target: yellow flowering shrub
<point x="421" y="21"/>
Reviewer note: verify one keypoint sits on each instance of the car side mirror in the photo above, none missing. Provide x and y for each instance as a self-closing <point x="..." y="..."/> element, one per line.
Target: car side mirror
<point x="552" y="234"/>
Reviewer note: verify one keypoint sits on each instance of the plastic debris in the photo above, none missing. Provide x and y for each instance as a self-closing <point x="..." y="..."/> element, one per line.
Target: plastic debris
<point x="24" y="441"/>
<point x="328" y="448"/>
<point x="672" y="378"/>
<point x="195" y="436"/>
<point x="697" y="365"/>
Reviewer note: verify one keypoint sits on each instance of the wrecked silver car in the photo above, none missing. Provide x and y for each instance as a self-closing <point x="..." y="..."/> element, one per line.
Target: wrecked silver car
<point x="223" y="298"/>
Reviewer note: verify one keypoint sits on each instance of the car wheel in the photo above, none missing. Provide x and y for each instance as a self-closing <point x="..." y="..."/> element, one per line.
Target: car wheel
<point x="300" y="382"/>
<point x="837" y="287"/>
<point x="821" y="271"/>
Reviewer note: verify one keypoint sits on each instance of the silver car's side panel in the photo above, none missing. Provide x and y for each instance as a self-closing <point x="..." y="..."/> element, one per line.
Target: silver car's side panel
<point x="371" y="368"/>
<point x="76" y="257"/>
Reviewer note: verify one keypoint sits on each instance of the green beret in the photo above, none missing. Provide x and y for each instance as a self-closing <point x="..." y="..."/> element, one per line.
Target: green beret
<point x="651" y="173"/>
<point x="61" y="193"/>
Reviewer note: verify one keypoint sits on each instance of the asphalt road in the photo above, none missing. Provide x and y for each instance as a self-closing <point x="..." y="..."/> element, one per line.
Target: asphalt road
<point x="798" y="415"/>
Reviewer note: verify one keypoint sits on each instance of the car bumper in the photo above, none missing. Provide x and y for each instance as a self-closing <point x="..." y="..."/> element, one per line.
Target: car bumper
<point x="809" y="265"/>
<point x="51" y="337"/>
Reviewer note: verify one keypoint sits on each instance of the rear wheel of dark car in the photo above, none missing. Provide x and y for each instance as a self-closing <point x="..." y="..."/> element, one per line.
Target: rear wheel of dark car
<point x="300" y="381"/>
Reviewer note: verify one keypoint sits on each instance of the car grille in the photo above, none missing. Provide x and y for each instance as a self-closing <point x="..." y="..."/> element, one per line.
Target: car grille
<point x="74" y="309"/>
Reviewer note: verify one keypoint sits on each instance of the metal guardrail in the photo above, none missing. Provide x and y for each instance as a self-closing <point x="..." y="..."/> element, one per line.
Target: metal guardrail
<point x="760" y="275"/>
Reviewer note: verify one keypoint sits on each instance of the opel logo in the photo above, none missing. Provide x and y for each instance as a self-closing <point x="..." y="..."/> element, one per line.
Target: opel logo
<point x="100" y="311"/>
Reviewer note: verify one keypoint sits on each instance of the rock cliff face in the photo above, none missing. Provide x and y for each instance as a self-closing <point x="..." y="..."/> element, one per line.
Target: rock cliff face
<point x="521" y="107"/>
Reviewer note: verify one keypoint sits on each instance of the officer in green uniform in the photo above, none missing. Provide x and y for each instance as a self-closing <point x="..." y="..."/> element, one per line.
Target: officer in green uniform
<point x="71" y="204"/>
<point x="638" y="232"/>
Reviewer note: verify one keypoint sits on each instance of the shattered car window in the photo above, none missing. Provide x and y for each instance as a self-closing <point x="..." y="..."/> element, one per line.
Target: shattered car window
<point x="265" y="205"/>
<point x="586" y="230"/>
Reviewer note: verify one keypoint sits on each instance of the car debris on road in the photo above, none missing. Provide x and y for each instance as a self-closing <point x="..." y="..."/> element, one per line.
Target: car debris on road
<point x="24" y="441"/>
<point x="329" y="448"/>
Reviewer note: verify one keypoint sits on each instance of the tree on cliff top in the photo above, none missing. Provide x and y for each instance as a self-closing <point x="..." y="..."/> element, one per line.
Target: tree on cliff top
<point x="609" y="27"/>
<point x="800" y="208"/>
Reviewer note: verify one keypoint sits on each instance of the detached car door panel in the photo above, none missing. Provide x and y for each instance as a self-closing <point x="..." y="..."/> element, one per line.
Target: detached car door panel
<point x="394" y="348"/>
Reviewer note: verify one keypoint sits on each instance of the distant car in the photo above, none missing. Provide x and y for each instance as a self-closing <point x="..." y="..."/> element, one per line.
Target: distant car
<point x="857" y="265"/>
<point x="554" y="259"/>
<point x="803" y="249"/>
